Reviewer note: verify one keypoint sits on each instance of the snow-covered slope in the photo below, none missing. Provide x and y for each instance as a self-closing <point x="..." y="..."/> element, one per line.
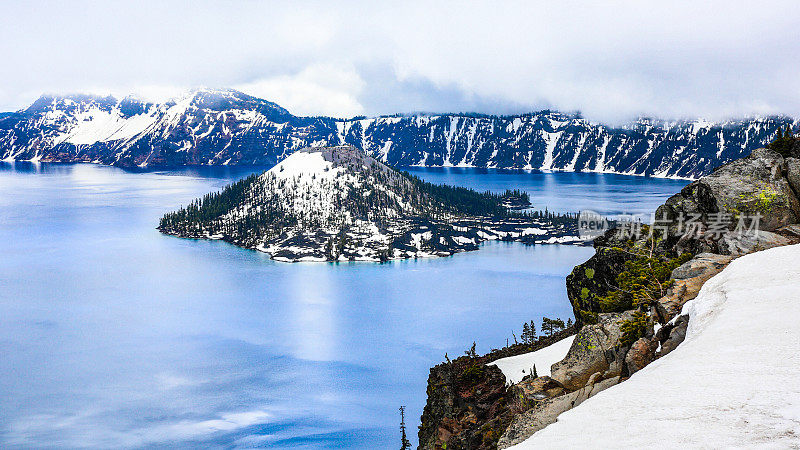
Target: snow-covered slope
<point x="229" y="127"/>
<point x="733" y="383"/>
<point x="516" y="367"/>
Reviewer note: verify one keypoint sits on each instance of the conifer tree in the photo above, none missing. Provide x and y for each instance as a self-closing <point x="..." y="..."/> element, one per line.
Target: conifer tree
<point x="547" y="326"/>
<point x="404" y="442"/>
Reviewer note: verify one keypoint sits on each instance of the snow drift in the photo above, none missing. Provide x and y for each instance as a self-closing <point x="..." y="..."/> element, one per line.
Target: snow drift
<point x="514" y="368"/>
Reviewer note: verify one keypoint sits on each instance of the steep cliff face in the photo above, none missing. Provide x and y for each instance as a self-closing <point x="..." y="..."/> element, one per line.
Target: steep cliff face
<point x="469" y="405"/>
<point x="635" y="299"/>
<point x="746" y="205"/>
<point x="229" y="127"/>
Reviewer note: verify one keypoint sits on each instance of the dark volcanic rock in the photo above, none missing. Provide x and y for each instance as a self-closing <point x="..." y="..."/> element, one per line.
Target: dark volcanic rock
<point x="469" y="405"/>
<point x="674" y="334"/>
<point x="468" y="398"/>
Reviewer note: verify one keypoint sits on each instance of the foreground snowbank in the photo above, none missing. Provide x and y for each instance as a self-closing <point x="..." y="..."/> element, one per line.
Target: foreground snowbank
<point x="734" y="381"/>
<point x="513" y="366"/>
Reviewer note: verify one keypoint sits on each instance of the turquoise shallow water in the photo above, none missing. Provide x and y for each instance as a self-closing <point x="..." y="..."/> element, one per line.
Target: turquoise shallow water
<point x="113" y="335"/>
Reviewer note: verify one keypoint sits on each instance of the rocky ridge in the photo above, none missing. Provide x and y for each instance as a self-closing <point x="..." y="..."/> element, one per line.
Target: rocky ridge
<point x="214" y="127"/>
<point x="621" y="334"/>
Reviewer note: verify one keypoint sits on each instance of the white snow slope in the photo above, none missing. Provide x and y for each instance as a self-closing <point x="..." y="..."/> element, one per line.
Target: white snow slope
<point x="733" y="383"/>
<point x="516" y="367"/>
<point x="305" y="165"/>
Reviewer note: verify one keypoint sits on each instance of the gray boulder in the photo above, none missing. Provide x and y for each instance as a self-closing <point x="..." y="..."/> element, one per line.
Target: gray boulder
<point x="688" y="278"/>
<point x="545" y="412"/>
<point x="753" y="185"/>
<point x="642" y="353"/>
<point x="793" y="174"/>
<point x="741" y="244"/>
<point x="593" y="350"/>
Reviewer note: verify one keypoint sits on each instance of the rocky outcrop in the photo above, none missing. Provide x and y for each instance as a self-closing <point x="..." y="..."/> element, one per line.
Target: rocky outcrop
<point x="641" y="353"/>
<point x="594" y="278"/>
<point x="523" y="395"/>
<point x="613" y="345"/>
<point x="755" y="186"/>
<point x="469" y="404"/>
<point x="466" y="406"/>
<point x="744" y="206"/>
<point x="762" y="186"/>
<point x="595" y="349"/>
<point x="545" y="412"/>
<point x="687" y="281"/>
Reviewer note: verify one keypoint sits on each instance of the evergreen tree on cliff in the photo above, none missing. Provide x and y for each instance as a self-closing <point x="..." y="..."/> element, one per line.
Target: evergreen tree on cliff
<point x="405" y="444"/>
<point x="784" y="142"/>
<point x="529" y="333"/>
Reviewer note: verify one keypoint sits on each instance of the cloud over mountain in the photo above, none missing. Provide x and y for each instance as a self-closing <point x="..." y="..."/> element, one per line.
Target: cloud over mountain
<point x="611" y="60"/>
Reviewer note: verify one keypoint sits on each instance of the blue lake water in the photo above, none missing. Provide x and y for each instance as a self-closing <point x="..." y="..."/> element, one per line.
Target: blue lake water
<point x="113" y="335"/>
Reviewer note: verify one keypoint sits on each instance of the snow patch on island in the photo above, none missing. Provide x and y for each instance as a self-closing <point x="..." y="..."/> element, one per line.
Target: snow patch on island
<point x="305" y="165"/>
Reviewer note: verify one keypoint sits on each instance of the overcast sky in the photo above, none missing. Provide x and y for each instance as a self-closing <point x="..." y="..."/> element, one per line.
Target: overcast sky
<point x="611" y="60"/>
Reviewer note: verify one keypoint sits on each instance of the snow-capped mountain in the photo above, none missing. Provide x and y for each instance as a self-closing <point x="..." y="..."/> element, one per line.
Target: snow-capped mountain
<point x="228" y="127"/>
<point x="338" y="203"/>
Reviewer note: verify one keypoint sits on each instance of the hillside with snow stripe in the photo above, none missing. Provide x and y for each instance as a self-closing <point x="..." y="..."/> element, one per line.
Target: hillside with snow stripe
<point x="514" y="368"/>
<point x="733" y="383"/>
<point x="216" y="127"/>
